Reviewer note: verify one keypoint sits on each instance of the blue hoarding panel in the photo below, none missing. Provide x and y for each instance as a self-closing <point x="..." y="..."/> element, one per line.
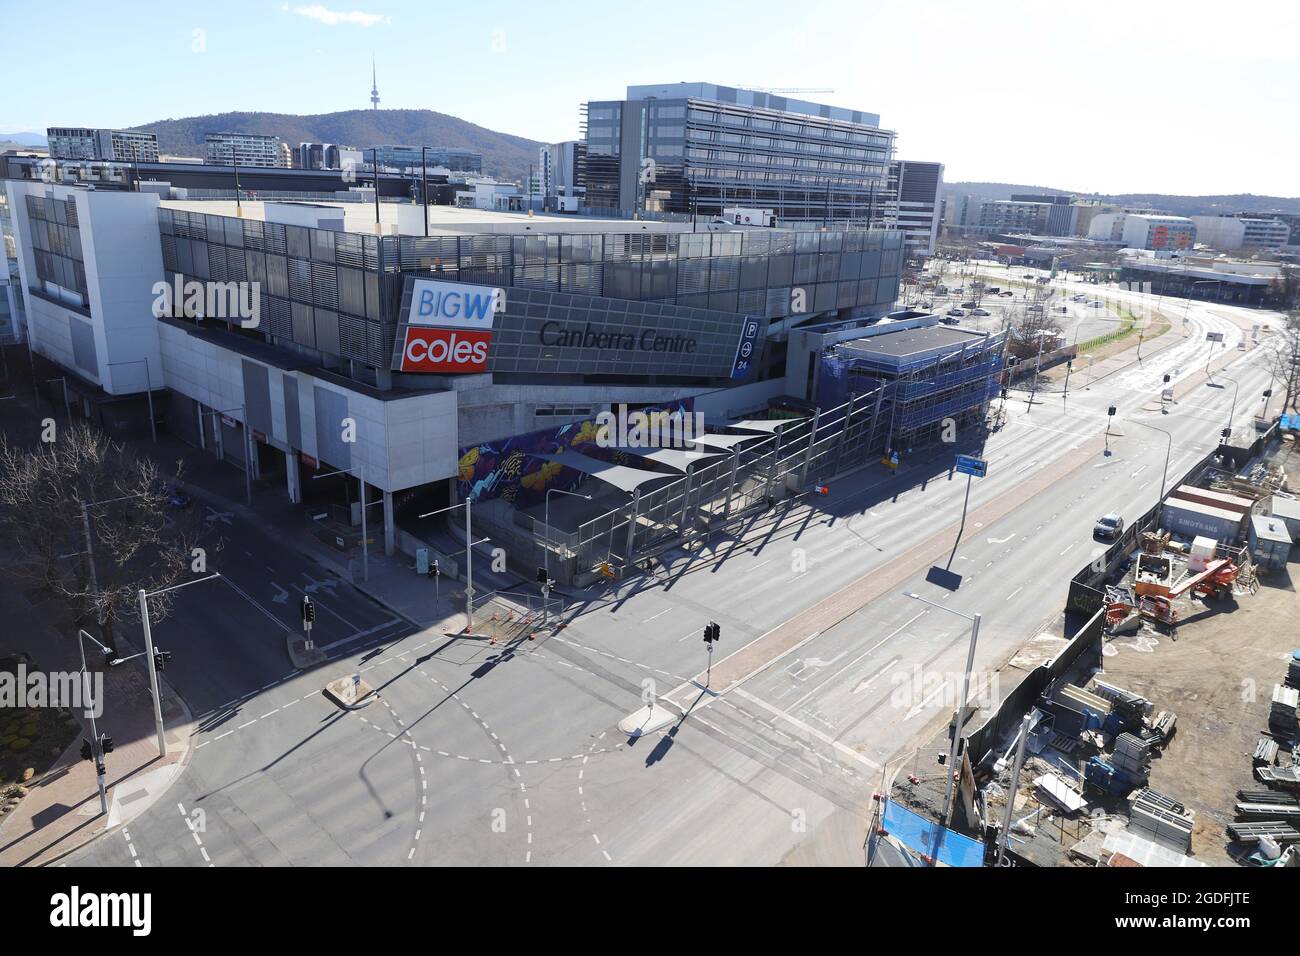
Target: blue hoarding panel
<point x="928" y="838"/>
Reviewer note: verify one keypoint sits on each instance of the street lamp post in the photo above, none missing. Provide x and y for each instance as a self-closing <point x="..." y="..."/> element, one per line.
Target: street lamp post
<point x="946" y="818"/>
<point x="467" y="504"/>
<point x="152" y="655"/>
<point x="546" y="550"/>
<point x="1169" y="446"/>
<point x="100" y="769"/>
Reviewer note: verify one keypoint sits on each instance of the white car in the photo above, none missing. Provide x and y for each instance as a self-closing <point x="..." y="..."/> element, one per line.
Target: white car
<point x="980" y="312"/>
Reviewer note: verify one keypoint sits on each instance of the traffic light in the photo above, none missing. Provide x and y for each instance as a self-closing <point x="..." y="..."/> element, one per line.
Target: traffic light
<point x="542" y="576"/>
<point x="433" y="569"/>
<point x="308" y="612"/>
<point x="1167" y="378"/>
<point x="712" y="633"/>
<point x="87" y="752"/>
<point x="105" y="744"/>
<point x="160" y="659"/>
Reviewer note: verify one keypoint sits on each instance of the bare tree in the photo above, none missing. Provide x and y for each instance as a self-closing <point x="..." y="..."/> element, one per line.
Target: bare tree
<point x="1031" y="329"/>
<point x="57" y="494"/>
<point x="1284" y="361"/>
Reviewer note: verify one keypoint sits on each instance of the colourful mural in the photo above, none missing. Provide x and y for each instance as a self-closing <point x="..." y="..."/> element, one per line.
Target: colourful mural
<point x="510" y="469"/>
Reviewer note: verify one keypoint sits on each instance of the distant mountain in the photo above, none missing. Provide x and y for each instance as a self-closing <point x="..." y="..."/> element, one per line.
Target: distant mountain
<point x="504" y="156"/>
<point x="1164" y="202"/>
<point x="25" y="139"/>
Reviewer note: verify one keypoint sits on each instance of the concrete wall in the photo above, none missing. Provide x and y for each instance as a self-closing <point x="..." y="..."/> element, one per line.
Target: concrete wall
<point x="399" y="443"/>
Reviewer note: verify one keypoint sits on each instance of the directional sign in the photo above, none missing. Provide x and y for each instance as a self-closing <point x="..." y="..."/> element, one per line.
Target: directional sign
<point x="969" y="465"/>
<point x="1214" y="336"/>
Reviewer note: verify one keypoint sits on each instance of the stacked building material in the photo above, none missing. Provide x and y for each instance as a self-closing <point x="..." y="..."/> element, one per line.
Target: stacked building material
<point x="1282" y="713"/>
<point x="1132" y="757"/>
<point x="1265" y="752"/>
<point x="1293" y="670"/>
<point x="1251" y="832"/>
<point x="1077" y="710"/>
<point x="1162" y="819"/>
<point x="1287" y="778"/>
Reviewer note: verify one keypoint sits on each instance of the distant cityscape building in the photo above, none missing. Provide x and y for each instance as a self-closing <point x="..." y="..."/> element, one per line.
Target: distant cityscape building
<point x="914" y="204"/>
<point x="247" y="149"/>
<point x="559" y="167"/>
<point x="700" y="148"/>
<point x="1144" y="231"/>
<point x="1227" y="233"/>
<point x="116" y="145"/>
<point x="401" y="158"/>
<point x="1009" y="215"/>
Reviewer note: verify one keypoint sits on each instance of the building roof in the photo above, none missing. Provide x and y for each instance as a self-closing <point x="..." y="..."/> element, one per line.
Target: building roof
<point x="907" y="343"/>
<point x="1268" y="528"/>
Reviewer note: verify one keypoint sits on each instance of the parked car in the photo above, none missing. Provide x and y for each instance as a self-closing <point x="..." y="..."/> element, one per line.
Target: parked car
<point x="956" y="313"/>
<point x="1096" y="304"/>
<point x="1062" y="309"/>
<point x="1078" y="297"/>
<point x="949" y="320"/>
<point x="1108" y="526"/>
<point x="980" y="312"/>
<point x="1006" y="294"/>
<point x="927" y="304"/>
<point x="968" y="305"/>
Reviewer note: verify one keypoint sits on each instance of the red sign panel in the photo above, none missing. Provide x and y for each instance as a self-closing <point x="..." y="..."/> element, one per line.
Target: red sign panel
<point x="445" y="350"/>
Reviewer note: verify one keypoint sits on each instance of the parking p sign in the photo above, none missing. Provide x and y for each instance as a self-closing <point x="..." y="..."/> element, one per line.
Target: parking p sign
<point x="745" y="348"/>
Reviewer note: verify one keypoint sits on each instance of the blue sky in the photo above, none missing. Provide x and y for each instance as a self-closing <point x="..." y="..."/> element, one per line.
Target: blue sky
<point x="1114" y="95"/>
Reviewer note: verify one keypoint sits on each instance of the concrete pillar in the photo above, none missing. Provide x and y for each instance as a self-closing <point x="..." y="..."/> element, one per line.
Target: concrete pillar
<point x="292" y="478"/>
<point x="390" y="529"/>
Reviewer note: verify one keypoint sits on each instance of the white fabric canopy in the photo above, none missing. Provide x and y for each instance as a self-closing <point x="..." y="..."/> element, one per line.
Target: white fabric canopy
<point x="620" y="476"/>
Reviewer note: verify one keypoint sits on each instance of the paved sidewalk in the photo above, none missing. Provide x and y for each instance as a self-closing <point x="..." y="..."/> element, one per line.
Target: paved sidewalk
<point x="61" y="809"/>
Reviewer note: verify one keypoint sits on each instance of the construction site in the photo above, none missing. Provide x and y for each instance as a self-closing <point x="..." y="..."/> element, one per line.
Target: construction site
<point x="1163" y="730"/>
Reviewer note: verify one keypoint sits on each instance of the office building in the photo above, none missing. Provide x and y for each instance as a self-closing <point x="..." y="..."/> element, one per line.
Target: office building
<point x="1147" y="231"/>
<point x="1228" y="233"/>
<point x="697" y="149"/>
<point x="1207" y="277"/>
<point x="559" y="169"/>
<point x="246" y="149"/>
<point x="115" y="145"/>
<point x="914" y="206"/>
<point x="402" y="158"/>
<point x="1012" y="216"/>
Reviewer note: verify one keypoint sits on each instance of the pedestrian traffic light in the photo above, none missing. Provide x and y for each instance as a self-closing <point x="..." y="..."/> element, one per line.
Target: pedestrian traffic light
<point x="160" y="659"/>
<point x="433" y="569"/>
<point x="87" y="753"/>
<point x="105" y="744"/>
<point x="542" y="576"/>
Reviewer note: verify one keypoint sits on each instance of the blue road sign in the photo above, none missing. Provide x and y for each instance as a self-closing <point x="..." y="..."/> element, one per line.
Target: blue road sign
<point x="746" y="347"/>
<point x="969" y="465"/>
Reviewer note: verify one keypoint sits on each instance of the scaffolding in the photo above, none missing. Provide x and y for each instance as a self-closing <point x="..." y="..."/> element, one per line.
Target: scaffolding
<point x="923" y="390"/>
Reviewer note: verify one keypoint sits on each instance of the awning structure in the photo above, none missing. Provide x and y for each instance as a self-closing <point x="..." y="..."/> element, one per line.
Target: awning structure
<point x="766" y="425"/>
<point x="677" y="459"/>
<point x="620" y="476"/>
<point x="725" y="442"/>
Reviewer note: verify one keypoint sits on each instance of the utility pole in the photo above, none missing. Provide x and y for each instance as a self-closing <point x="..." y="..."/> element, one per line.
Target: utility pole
<point x="153" y="672"/>
<point x="100" y="770"/>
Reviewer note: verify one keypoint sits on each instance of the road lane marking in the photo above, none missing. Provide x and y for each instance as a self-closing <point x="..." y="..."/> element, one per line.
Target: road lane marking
<point x="1015" y="592"/>
<point x="812" y="731"/>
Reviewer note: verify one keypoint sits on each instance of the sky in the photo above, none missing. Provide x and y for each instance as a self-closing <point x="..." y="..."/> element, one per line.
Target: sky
<point x="1110" y="96"/>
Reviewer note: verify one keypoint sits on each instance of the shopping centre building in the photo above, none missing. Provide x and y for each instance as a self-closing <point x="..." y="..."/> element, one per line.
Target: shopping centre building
<point x="340" y="339"/>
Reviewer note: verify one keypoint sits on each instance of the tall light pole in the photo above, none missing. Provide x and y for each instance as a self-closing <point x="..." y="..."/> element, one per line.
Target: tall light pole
<point x="1169" y="446"/>
<point x="546" y="551"/>
<point x="152" y="655"/>
<point x="100" y="769"/>
<point x="467" y="504"/>
<point x="1232" y="413"/>
<point x="946" y="819"/>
